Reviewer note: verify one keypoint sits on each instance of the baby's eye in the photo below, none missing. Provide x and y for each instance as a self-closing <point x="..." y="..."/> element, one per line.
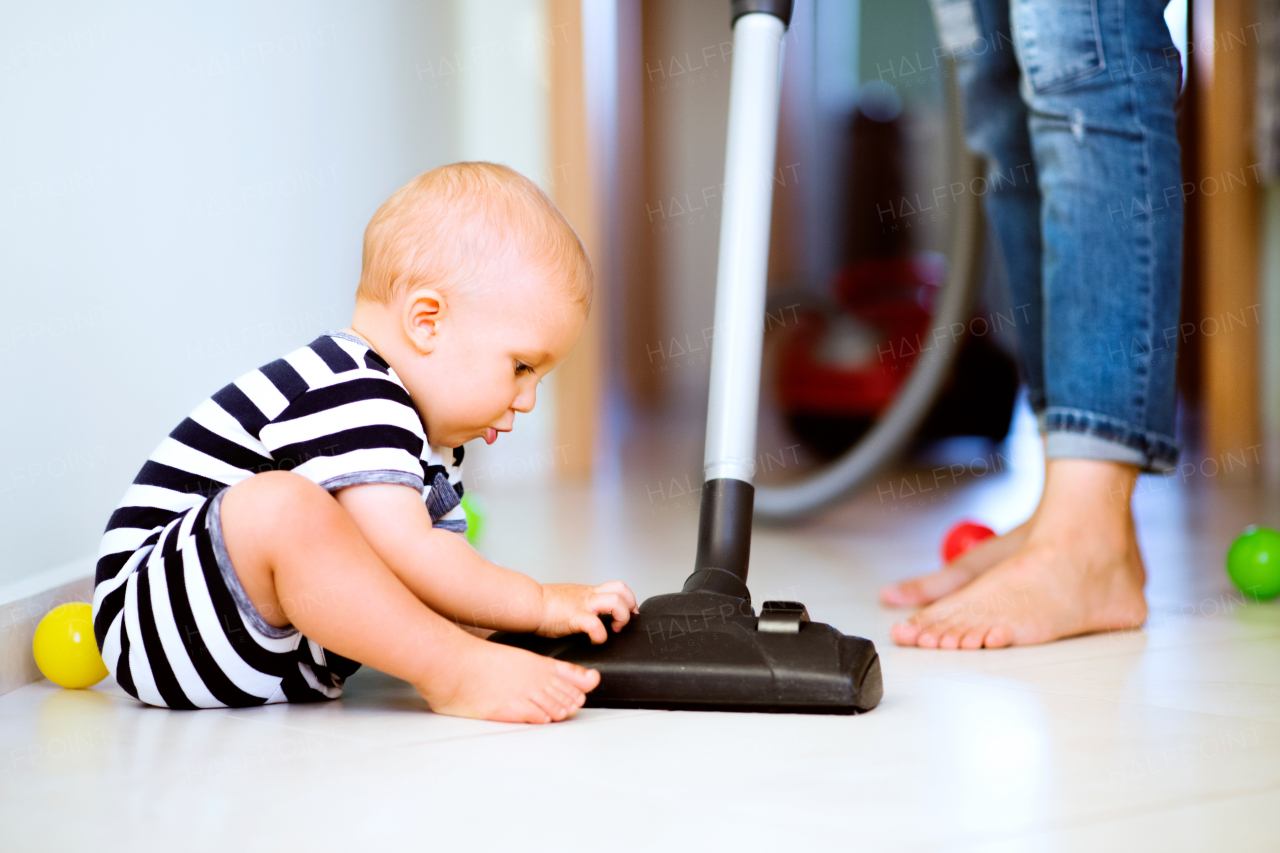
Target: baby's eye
<point x="522" y="368"/>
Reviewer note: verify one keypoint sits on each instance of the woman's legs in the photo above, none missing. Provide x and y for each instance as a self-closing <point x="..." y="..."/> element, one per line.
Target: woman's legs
<point x="1077" y="570"/>
<point x="995" y="128"/>
<point x="1100" y="79"/>
<point x="1107" y="150"/>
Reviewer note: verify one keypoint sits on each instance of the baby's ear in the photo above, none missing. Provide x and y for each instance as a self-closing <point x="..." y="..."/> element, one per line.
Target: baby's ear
<point x="424" y="308"/>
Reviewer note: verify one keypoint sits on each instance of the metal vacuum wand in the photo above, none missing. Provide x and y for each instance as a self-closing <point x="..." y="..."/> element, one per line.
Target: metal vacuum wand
<point x="724" y="527"/>
<point x="705" y="648"/>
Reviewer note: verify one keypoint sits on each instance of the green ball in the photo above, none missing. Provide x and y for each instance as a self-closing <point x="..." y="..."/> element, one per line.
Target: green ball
<point x="473" y="506"/>
<point x="1253" y="563"/>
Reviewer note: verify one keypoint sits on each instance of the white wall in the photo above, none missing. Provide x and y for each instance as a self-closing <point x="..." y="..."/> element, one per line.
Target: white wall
<point x="183" y="191"/>
<point x="499" y="68"/>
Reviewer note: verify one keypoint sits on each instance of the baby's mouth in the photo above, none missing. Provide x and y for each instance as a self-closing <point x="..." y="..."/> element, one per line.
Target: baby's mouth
<point x="490" y="435"/>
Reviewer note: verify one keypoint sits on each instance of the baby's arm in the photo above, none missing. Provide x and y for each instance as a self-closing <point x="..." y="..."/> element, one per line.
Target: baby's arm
<point x="451" y="578"/>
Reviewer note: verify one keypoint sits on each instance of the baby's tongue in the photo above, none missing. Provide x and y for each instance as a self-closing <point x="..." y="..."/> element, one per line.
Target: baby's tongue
<point x="490" y="435"/>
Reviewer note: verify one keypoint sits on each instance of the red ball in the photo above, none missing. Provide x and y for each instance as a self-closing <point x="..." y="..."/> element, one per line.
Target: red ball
<point x="963" y="536"/>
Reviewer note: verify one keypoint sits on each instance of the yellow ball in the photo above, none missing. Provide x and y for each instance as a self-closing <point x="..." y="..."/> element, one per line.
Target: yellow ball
<point x="65" y="648"/>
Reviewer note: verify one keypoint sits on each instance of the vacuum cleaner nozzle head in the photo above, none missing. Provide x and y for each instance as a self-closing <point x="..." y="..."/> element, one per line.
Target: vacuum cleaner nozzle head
<point x="706" y="651"/>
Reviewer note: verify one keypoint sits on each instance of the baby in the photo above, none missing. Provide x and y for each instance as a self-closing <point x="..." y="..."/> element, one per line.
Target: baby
<point x="305" y="519"/>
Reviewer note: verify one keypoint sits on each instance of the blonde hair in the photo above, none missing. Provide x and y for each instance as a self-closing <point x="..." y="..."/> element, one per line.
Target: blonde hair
<point x="447" y="225"/>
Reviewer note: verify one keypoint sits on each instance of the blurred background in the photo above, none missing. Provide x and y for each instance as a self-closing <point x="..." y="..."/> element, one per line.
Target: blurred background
<point x="184" y="191"/>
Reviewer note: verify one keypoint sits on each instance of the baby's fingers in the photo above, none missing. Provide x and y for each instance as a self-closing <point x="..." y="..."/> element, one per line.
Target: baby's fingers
<point x="590" y="624"/>
<point x="621" y="589"/>
<point x="615" y="605"/>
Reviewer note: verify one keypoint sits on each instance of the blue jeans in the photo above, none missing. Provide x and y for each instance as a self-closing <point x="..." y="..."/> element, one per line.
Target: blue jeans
<point x="1071" y="102"/>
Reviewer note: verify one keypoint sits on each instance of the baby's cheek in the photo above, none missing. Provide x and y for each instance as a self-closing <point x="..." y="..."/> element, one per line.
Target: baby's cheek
<point x="482" y="396"/>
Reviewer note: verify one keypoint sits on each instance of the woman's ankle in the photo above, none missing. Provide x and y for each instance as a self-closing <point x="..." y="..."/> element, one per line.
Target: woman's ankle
<point x="1079" y="480"/>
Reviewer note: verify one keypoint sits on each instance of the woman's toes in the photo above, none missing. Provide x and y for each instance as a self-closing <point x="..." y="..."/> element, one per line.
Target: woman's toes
<point x="925" y="589"/>
<point x="915" y="591"/>
<point x="938" y="629"/>
<point x="972" y="638"/>
<point x="902" y="594"/>
<point x="904" y="633"/>
<point x="928" y="639"/>
<point x="998" y="637"/>
<point x="951" y="639"/>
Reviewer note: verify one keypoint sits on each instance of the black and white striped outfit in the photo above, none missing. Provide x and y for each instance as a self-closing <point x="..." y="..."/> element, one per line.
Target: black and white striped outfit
<point x="173" y="623"/>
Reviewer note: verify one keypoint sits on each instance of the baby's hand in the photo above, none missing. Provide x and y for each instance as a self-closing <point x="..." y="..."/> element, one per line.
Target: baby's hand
<point x="570" y="608"/>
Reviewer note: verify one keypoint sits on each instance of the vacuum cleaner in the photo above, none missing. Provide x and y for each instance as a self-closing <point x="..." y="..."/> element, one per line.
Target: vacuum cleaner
<point x="705" y="648"/>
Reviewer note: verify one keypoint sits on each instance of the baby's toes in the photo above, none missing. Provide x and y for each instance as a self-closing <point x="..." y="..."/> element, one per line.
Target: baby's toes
<point x="584" y="680"/>
<point x="575" y="697"/>
<point x="566" y="695"/>
<point x="521" y="710"/>
<point x="556" y="703"/>
<point x="536" y="714"/>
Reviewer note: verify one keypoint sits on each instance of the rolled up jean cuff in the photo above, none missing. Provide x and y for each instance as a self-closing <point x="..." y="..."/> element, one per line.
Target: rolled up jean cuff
<point x="1077" y="434"/>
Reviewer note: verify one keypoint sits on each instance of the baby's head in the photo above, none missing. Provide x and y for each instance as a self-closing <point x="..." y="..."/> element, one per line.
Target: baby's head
<point x="473" y="287"/>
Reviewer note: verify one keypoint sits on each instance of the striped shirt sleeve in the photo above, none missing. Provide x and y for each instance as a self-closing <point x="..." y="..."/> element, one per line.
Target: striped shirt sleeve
<point x="444" y="496"/>
<point x="360" y="428"/>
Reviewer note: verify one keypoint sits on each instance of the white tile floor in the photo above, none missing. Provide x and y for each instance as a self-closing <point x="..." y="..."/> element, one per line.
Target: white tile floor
<point x="1164" y="739"/>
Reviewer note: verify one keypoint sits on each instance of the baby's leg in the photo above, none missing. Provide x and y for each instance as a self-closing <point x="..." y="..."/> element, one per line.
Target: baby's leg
<point x="290" y="541"/>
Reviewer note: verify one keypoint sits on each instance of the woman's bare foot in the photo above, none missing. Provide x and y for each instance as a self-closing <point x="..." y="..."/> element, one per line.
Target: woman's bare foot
<point x="1078" y="571"/>
<point x="493" y="682"/>
<point x="926" y="589"/>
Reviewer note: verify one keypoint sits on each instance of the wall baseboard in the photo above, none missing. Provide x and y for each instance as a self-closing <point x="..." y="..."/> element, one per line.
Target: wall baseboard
<point x="24" y="604"/>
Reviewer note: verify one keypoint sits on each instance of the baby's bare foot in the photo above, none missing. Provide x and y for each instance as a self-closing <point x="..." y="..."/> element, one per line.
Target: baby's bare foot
<point x="488" y="681"/>
<point x="1078" y="571"/>
<point x="925" y="589"/>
